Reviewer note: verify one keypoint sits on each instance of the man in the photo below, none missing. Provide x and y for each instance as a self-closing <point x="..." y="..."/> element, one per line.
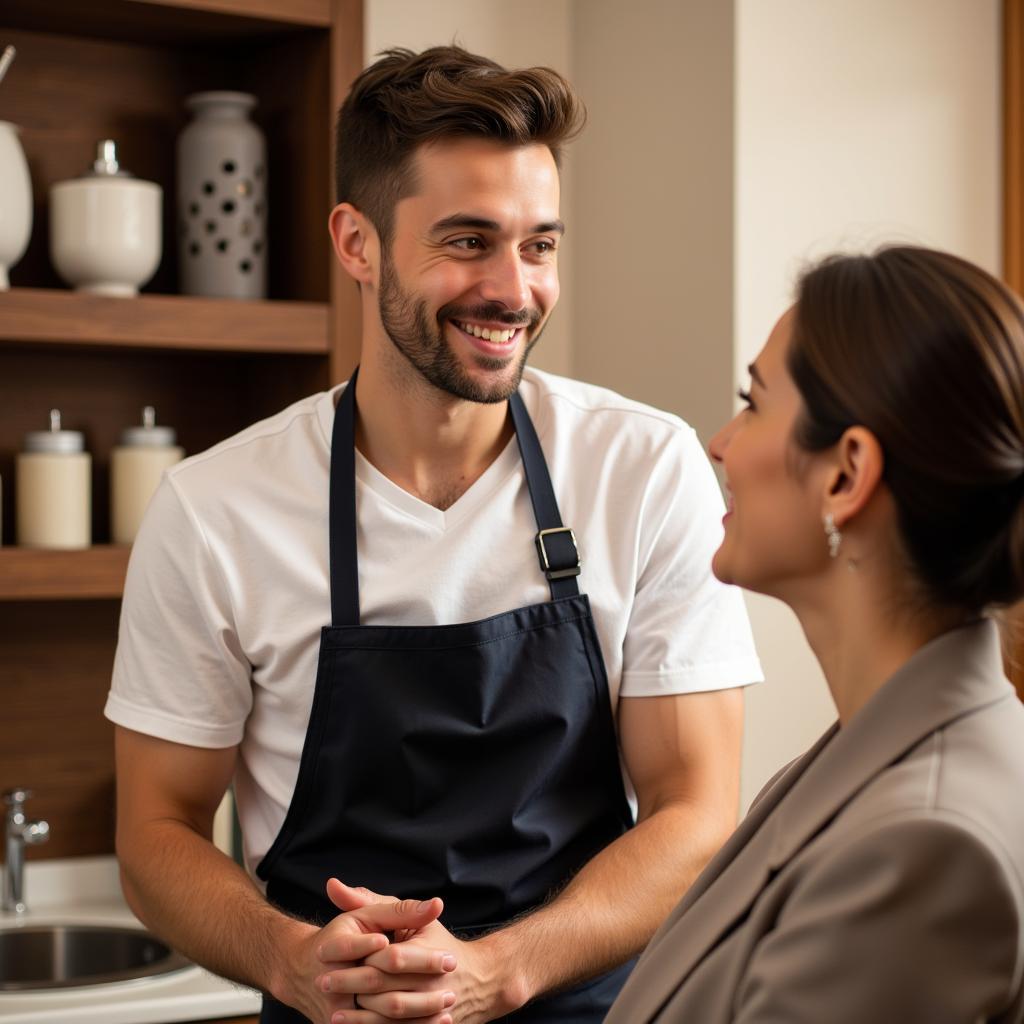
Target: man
<point x="459" y="739"/>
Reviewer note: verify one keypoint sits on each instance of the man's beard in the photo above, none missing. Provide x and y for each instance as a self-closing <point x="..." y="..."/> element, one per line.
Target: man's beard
<point x="423" y="344"/>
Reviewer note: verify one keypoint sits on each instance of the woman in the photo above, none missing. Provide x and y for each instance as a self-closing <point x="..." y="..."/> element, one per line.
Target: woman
<point x="876" y="480"/>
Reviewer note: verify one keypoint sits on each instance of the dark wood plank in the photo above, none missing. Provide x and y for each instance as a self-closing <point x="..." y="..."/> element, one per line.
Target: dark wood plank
<point x="31" y="575"/>
<point x="54" y="678"/>
<point x="163" y="321"/>
<point x="295" y="12"/>
<point x="173" y="22"/>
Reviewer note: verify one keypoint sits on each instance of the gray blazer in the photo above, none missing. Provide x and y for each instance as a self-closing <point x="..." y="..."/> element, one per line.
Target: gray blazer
<point x="879" y="878"/>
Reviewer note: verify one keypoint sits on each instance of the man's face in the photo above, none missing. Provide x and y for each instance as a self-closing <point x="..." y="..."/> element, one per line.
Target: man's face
<point x="471" y="274"/>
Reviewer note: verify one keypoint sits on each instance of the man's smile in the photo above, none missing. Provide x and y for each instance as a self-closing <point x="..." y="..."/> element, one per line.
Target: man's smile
<point x="496" y="334"/>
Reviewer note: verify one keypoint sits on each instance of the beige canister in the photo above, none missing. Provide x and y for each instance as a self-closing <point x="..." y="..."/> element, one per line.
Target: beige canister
<point x="136" y="467"/>
<point x="53" y="489"/>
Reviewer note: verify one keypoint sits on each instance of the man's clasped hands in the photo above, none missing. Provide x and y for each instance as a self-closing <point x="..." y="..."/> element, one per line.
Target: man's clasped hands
<point x="361" y="976"/>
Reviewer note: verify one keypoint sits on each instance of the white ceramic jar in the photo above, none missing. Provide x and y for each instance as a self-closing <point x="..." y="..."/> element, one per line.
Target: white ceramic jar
<point x="105" y="228"/>
<point x="53" y="489"/>
<point x="136" y="467"/>
<point x="15" y="201"/>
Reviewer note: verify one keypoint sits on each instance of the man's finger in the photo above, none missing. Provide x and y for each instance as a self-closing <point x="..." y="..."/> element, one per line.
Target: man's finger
<point x="406" y="1005"/>
<point x="347" y="897"/>
<point x="409" y="959"/>
<point x="381" y="917"/>
<point x="353" y="980"/>
<point x="360" y="1016"/>
<point x="344" y="947"/>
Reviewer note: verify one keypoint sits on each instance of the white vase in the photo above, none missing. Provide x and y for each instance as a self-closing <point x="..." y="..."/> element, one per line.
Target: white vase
<point x="222" y="199"/>
<point x="15" y="201"/>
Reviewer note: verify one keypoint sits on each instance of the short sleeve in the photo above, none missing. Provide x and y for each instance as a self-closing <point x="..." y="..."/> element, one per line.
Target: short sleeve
<point x="687" y="631"/>
<point x="915" y="920"/>
<point x="179" y="671"/>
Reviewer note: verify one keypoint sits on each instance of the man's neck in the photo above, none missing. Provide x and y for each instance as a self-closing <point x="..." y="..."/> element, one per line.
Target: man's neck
<point x="432" y="445"/>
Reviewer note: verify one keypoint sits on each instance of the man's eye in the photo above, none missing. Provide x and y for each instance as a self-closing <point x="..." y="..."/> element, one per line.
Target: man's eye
<point x="469" y="244"/>
<point x="544" y="247"/>
<point x="744" y="396"/>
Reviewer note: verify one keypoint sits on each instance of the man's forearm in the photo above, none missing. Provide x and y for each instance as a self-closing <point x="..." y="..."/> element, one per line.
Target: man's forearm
<point x="199" y="900"/>
<point x="610" y="910"/>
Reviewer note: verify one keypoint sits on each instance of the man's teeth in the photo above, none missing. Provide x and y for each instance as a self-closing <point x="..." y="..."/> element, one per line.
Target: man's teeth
<point x="487" y="334"/>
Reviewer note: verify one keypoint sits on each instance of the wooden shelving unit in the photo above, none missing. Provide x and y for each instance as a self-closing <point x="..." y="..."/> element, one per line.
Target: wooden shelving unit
<point x="122" y="69"/>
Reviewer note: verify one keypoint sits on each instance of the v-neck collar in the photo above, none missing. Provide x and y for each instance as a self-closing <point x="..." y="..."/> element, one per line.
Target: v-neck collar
<point x="497" y="473"/>
<point x="507" y="462"/>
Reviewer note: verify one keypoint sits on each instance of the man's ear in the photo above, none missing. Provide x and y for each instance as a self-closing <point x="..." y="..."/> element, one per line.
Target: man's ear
<point x="856" y="474"/>
<point x="355" y="243"/>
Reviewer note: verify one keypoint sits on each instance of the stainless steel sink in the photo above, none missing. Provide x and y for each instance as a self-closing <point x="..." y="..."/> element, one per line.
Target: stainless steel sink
<point x="61" y="956"/>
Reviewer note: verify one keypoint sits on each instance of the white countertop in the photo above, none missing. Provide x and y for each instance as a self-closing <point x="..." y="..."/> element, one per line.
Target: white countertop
<point x="86" y="891"/>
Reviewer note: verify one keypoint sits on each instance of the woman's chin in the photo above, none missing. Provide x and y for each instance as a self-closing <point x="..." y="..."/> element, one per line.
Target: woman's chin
<point x="720" y="567"/>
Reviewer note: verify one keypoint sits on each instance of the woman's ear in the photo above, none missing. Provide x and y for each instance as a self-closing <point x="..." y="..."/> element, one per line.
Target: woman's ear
<point x="355" y="243"/>
<point x="856" y="475"/>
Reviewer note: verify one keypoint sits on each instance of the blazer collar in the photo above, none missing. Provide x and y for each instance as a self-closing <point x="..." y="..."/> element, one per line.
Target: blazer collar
<point x="951" y="676"/>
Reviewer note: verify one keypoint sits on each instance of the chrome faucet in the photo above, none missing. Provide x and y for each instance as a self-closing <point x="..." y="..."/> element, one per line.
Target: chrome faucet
<point x="18" y="833"/>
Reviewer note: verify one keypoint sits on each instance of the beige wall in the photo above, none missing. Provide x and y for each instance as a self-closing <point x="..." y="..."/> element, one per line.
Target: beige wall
<point x="857" y="121"/>
<point x="515" y="33"/>
<point x="653" y="185"/>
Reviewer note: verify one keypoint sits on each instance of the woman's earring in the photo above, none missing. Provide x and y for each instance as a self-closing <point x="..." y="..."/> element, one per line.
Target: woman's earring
<point x="835" y="538"/>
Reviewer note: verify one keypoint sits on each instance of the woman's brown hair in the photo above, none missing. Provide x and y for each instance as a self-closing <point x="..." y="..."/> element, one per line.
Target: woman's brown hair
<point x="926" y="350"/>
<point x="404" y="100"/>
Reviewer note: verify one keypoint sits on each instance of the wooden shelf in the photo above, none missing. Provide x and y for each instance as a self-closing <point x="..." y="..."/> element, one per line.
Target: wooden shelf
<point x="169" y="21"/>
<point x="163" y="321"/>
<point x="29" y="574"/>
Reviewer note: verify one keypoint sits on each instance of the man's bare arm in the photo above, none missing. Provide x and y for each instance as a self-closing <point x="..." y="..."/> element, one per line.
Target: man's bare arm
<point x="183" y="888"/>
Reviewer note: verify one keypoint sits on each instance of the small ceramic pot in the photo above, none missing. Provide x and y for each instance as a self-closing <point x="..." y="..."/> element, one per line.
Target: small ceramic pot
<point x="105" y="230"/>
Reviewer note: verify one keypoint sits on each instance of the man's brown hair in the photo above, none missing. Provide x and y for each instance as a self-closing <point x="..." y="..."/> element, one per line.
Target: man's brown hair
<point x="405" y="99"/>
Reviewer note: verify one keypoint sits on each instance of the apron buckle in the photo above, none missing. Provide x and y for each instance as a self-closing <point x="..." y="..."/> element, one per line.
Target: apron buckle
<point x="564" y="559"/>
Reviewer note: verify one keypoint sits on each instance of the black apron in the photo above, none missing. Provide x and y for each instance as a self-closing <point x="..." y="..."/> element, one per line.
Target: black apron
<point x="476" y="762"/>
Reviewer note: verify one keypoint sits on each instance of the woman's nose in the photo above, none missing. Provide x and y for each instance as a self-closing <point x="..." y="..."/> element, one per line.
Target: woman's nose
<point x="718" y="444"/>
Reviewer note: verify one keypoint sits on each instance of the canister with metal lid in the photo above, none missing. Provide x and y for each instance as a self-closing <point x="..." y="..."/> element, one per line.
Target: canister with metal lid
<point x="136" y="467"/>
<point x="53" y="489"/>
<point x="105" y="227"/>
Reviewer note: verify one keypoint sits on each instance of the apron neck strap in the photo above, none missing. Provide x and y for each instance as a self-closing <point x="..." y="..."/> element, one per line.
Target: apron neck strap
<point x="556" y="544"/>
<point x="342" y="511"/>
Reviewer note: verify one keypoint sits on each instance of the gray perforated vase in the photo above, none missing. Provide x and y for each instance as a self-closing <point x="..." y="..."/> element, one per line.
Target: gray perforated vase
<point x="222" y="199"/>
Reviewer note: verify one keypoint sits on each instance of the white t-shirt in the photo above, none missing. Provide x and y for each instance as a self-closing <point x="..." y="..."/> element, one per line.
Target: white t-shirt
<point x="227" y="586"/>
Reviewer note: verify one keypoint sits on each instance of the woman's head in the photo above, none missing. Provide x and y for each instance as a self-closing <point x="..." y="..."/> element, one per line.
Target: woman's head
<point x="924" y="353"/>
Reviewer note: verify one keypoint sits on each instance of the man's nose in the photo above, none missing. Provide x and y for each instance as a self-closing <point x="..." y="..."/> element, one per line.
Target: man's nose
<point x="507" y="281"/>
